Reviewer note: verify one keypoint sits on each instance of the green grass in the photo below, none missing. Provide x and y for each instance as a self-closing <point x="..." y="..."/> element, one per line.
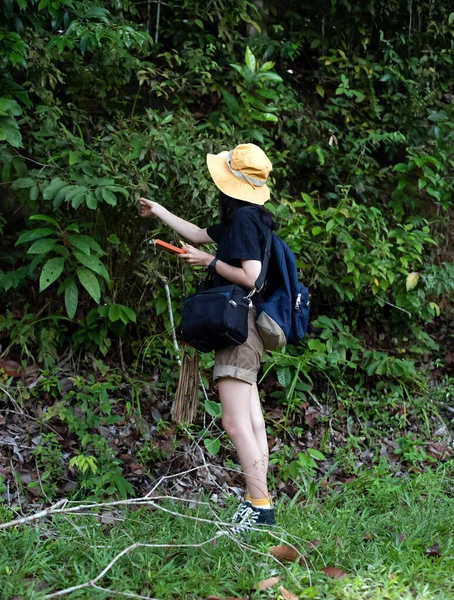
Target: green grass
<point x="376" y="529"/>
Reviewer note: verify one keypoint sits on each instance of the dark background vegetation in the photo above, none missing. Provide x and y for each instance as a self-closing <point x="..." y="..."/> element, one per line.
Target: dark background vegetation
<point x="103" y="102"/>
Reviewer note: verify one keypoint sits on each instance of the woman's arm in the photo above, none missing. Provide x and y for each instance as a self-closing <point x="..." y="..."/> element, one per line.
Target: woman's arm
<point x="148" y="208"/>
<point x="246" y="275"/>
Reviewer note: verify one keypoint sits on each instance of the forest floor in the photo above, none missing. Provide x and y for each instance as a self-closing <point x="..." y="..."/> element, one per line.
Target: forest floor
<point x="372" y="517"/>
<point x="378" y="537"/>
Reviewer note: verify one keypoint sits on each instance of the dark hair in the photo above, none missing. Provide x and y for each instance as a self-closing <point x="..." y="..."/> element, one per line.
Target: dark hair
<point x="228" y="206"/>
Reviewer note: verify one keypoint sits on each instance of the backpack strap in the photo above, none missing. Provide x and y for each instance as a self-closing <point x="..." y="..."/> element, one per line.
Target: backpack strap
<point x="266" y="259"/>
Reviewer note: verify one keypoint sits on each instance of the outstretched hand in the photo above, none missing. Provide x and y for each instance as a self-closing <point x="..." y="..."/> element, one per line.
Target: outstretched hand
<point x="147" y="208"/>
<point x="196" y="257"/>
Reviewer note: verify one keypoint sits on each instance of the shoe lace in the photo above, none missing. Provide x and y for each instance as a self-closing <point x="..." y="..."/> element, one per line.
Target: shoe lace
<point x="248" y="520"/>
<point x="241" y="512"/>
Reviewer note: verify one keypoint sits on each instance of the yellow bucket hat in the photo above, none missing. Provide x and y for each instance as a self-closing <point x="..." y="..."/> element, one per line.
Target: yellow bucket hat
<point x="242" y="173"/>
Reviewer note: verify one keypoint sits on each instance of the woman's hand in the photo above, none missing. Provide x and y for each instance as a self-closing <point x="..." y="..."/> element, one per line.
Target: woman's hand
<point x="196" y="257"/>
<point x="147" y="208"/>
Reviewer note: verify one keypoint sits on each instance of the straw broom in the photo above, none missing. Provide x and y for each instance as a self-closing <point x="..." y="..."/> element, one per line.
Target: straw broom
<point x="185" y="405"/>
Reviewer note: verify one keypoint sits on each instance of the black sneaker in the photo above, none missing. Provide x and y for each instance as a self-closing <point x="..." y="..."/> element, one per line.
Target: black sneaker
<point x="241" y="511"/>
<point x="255" y="516"/>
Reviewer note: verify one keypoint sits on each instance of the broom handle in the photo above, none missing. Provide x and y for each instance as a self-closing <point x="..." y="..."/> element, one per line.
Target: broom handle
<point x="172" y="322"/>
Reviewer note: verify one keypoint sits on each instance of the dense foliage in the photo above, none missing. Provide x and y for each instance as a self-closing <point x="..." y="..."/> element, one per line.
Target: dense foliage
<point x="101" y="102"/>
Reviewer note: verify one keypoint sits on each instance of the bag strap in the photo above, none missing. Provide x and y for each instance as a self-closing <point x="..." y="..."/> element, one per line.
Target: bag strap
<point x="266" y="259"/>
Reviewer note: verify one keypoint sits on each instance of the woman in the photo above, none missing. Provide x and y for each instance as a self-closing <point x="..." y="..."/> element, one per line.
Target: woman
<point x="240" y="176"/>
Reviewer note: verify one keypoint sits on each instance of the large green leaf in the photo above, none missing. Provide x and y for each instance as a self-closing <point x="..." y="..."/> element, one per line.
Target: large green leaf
<point x="114" y="312"/>
<point x="9" y="107"/>
<point x="42" y="246"/>
<point x="74" y="190"/>
<point x="78" y="199"/>
<point x="231" y="101"/>
<point x="9" y="131"/>
<point x="54" y="186"/>
<point x="129" y="313"/>
<point x="71" y="298"/>
<point x="85" y="243"/>
<point x="89" y="281"/>
<point x="22" y="183"/>
<point x="93" y="263"/>
<point x="51" y="271"/>
<point x="34" y="234"/>
<point x="44" y="218"/>
<point x="109" y="197"/>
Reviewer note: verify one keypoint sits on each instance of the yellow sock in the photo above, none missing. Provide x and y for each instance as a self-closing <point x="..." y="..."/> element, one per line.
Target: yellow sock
<point x="261" y="502"/>
<point x="248" y="498"/>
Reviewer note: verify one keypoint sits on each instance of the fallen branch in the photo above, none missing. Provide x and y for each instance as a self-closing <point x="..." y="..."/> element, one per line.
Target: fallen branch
<point x="92" y="582"/>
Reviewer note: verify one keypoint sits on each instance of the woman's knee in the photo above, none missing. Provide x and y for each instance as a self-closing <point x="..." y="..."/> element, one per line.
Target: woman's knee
<point x="235" y="427"/>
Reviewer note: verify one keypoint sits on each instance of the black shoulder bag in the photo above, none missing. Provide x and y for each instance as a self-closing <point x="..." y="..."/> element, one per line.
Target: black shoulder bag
<point x="217" y="317"/>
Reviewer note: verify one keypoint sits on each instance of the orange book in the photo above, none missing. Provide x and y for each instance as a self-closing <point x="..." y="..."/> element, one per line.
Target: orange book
<point x="165" y="247"/>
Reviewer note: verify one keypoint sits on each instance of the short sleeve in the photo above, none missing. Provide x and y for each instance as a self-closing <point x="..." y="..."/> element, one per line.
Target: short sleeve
<point x="245" y="236"/>
<point x="216" y="232"/>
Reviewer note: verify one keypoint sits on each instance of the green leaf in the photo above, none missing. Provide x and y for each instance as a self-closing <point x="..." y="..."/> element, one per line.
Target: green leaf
<point x="9" y="131"/>
<point x="34" y="191"/>
<point x="317" y="346"/>
<point x="91" y="201"/>
<point x="79" y="242"/>
<point x="74" y="190"/>
<point x="231" y="101"/>
<point x="267" y="66"/>
<point x="270" y="77"/>
<point x="320" y="90"/>
<point x="412" y="281"/>
<point x="71" y="298"/>
<point x="43" y="218"/>
<point x="23" y="183"/>
<point x="212" y="445"/>
<point x="77" y="200"/>
<point x="89" y="281"/>
<point x="109" y="197"/>
<point x="114" y="312"/>
<point x="130" y="314"/>
<point x="316" y="454"/>
<point x="92" y="262"/>
<point x="84" y="243"/>
<point x="51" y="271"/>
<point x="284" y="377"/>
<point x="114" y="239"/>
<point x="73" y="158"/>
<point x="42" y="246"/>
<point x="441" y="115"/>
<point x="53" y="188"/>
<point x="213" y="408"/>
<point x="250" y="60"/>
<point x="9" y="107"/>
<point x="34" y="234"/>
<point x="161" y="306"/>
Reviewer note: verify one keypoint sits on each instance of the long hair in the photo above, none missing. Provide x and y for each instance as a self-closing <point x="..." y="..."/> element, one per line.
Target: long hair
<point x="228" y="206"/>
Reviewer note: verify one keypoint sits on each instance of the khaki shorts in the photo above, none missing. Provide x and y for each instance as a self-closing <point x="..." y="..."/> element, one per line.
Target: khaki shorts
<point x="243" y="361"/>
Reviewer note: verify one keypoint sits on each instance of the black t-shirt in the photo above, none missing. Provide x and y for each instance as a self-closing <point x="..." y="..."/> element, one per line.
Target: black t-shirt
<point x="244" y="238"/>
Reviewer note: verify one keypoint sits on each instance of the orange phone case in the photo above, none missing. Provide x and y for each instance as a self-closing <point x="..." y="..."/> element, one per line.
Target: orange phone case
<point x="164" y="246"/>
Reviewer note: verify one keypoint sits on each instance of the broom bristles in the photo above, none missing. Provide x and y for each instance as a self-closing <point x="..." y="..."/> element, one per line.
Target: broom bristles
<point x="186" y="398"/>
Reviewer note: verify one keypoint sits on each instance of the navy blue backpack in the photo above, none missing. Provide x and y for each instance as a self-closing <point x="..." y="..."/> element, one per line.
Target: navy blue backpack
<point x="283" y="312"/>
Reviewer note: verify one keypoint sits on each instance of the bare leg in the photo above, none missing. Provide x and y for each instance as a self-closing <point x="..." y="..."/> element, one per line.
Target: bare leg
<point x="258" y="425"/>
<point x="235" y="396"/>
